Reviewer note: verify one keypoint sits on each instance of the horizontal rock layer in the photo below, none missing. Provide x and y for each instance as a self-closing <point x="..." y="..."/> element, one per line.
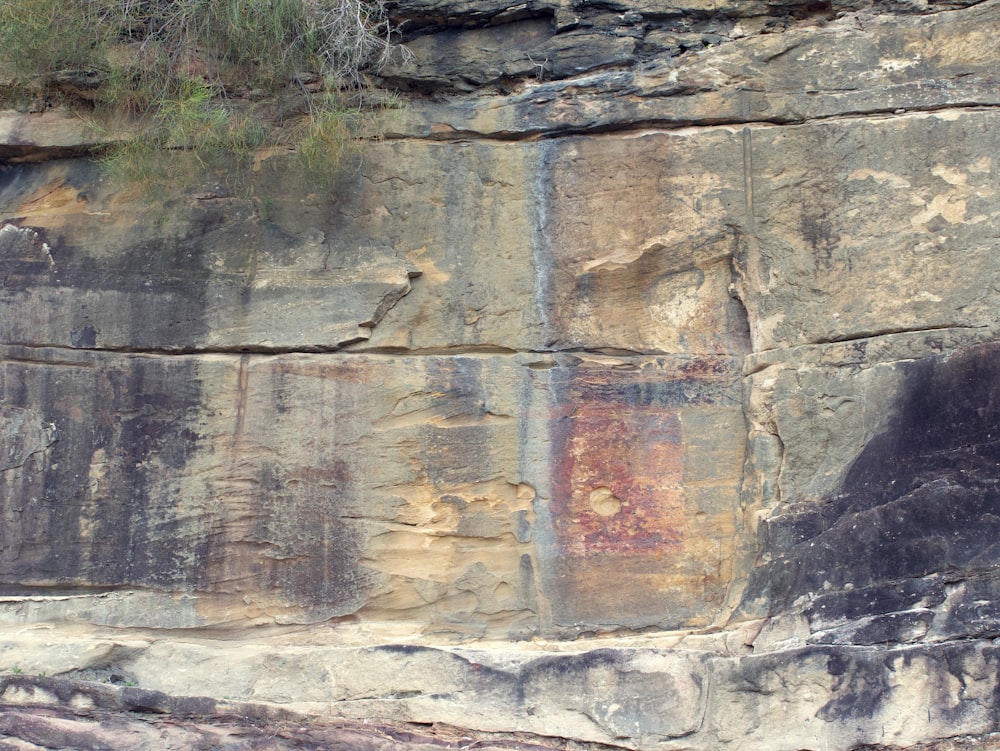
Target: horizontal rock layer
<point x="619" y="696"/>
<point x="543" y="491"/>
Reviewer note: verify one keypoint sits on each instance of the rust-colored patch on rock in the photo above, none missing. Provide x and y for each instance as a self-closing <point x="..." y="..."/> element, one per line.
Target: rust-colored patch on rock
<point x="618" y="481"/>
<point x="644" y="462"/>
<point x="53" y="197"/>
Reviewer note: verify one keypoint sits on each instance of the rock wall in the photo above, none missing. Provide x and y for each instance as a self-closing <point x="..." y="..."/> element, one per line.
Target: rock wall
<point x="638" y="387"/>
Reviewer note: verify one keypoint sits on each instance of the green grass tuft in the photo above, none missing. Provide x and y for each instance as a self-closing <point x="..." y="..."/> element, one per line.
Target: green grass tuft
<point x="200" y="77"/>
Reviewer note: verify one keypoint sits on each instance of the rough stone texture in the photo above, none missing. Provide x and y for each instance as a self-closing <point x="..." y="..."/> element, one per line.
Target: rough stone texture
<point x="640" y="698"/>
<point x="884" y="243"/>
<point x="638" y="388"/>
<point x="860" y="63"/>
<point x="217" y="278"/>
<point x="901" y="546"/>
<point x="44" y="135"/>
<point x="40" y="713"/>
<point x="175" y="474"/>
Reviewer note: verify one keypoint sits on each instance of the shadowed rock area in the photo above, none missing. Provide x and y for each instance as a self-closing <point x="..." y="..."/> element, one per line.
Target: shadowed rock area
<point x="913" y="524"/>
<point x="635" y="386"/>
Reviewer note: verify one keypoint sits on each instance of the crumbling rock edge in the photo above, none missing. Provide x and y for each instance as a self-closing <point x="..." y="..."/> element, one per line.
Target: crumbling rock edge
<point x="234" y="694"/>
<point x="94" y="715"/>
<point x="595" y="80"/>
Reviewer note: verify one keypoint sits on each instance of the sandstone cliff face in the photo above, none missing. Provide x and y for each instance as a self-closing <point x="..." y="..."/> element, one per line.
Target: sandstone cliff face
<point x="638" y="387"/>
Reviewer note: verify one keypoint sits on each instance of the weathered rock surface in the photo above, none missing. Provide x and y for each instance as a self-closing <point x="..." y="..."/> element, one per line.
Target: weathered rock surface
<point x="888" y="243"/>
<point x="638" y="388"/>
<point x="615" y="696"/>
<point x="861" y="63"/>
<point x="40" y="712"/>
<point x="218" y="278"/>
<point x="902" y="546"/>
<point x="174" y="474"/>
<point x="44" y="135"/>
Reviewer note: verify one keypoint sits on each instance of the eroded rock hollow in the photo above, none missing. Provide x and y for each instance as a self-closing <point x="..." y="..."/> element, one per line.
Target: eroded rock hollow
<point x="638" y="387"/>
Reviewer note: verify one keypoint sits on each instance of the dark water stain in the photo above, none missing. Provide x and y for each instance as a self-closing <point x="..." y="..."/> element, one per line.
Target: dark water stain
<point x="148" y="284"/>
<point x="921" y="500"/>
<point x="859" y="687"/>
<point x="309" y="552"/>
<point x="456" y="439"/>
<point x="100" y="508"/>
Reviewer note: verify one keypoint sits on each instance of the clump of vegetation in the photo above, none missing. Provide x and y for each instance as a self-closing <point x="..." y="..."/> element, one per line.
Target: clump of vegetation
<point x="207" y="81"/>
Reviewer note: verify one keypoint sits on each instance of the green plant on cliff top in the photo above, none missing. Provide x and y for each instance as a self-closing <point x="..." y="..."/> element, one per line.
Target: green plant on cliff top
<point x="213" y="80"/>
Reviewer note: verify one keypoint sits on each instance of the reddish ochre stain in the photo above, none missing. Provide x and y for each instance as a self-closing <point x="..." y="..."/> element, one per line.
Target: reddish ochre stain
<point x="637" y="454"/>
<point x="347" y="372"/>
